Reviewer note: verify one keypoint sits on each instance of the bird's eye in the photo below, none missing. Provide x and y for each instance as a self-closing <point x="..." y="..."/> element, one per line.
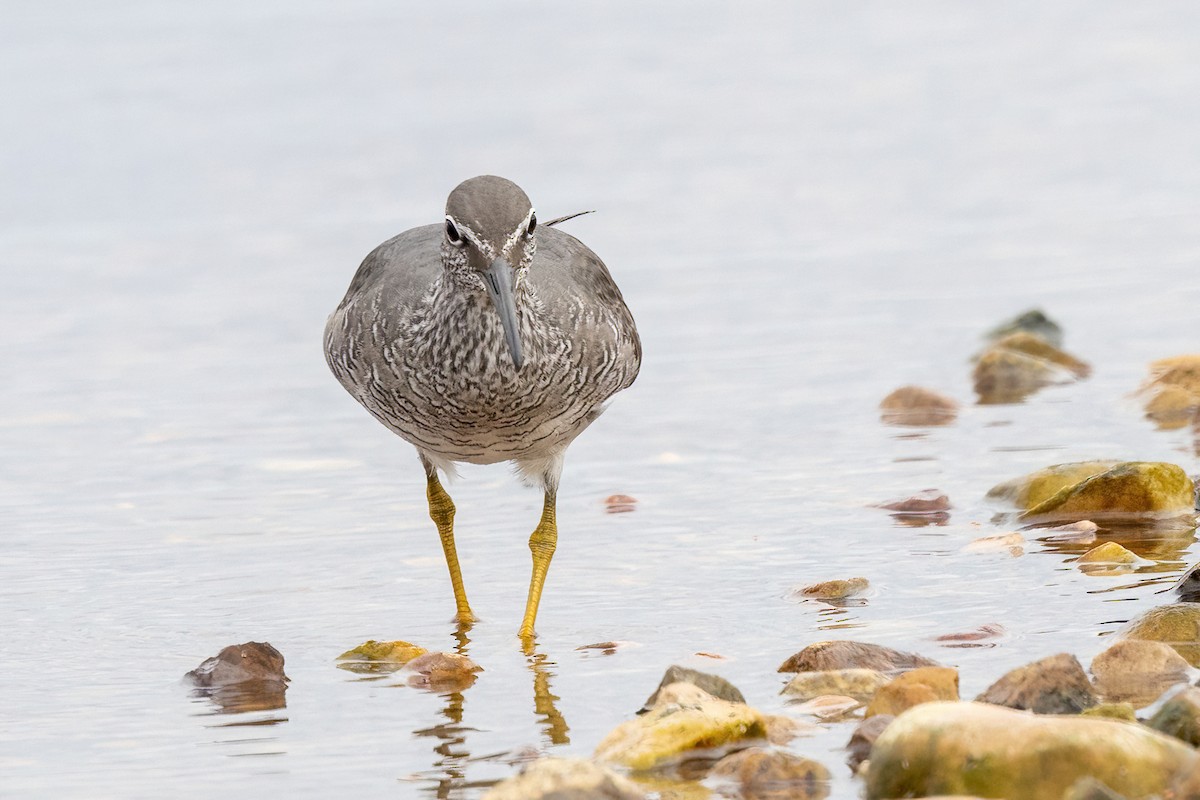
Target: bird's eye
<point x="452" y="235"/>
<point x="532" y="223"/>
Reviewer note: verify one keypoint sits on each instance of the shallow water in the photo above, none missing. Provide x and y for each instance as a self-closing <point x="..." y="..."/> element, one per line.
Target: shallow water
<point x="805" y="205"/>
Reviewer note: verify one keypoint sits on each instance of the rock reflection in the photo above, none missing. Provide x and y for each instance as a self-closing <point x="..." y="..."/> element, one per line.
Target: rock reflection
<point x="247" y="696"/>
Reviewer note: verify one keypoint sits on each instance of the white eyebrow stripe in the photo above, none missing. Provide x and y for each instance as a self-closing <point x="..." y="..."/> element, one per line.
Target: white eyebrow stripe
<point x="521" y="228"/>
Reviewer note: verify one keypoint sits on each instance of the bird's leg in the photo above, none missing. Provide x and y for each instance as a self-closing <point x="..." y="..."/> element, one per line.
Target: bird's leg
<point x="541" y="543"/>
<point x="441" y="511"/>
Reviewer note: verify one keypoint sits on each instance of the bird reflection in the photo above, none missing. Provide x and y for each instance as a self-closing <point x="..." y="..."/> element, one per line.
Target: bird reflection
<point x="449" y="769"/>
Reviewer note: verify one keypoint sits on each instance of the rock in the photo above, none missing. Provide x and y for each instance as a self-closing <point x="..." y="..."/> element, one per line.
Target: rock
<point x="1012" y="544"/>
<point x="674" y="731"/>
<point x="442" y="672"/>
<point x="1118" y="711"/>
<point x="921" y="685"/>
<point x="1179" y="716"/>
<point x="1033" y="345"/>
<point x="1173" y="391"/>
<point x="1037" y="487"/>
<point x="1171" y="407"/>
<point x="927" y="501"/>
<point x="858" y="749"/>
<point x="861" y="684"/>
<point x="1082" y="532"/>
<point x="1008" y="376"/>
<point x="829" y="706"/>
<point x="373" y="656"/>
<point x="605" y="648"/>
<point x="761" y="774"/>
<point x="823" y="656"/>
<point x="975" y="748"/>
<point x="1177" y="625"/>
<point x="912" y="405"/>
<point x="565" y="779"/>
<point x="1109" y="558"/>
<point x="1131" y="489"/>
<point x="1186" y="785"/>
<point x="1032" y="321"/>
<point x="1088" y="788"/>
<point x="1188" y="586"/>
<point x="714" y="685"/>
<point x="1137" y="671"/>
<point x="239" y="663"/>
<point x="834" y="590"/>
<point x="782" y="729"/>
<point x="1053" y="685"/>
<point x="977" y="638"/>
<point x="619" y="504"/>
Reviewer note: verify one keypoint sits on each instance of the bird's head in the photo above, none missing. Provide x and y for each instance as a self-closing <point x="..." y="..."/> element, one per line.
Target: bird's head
<point x="489" y="236"/>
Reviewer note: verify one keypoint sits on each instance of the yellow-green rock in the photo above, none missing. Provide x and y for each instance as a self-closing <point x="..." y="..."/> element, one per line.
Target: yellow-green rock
<point x="1122" y="712"/>
<point x="671" y="730"/>
<point x="839" y="589"/>
<point x="373" y="656"/>
<point x="1130" y="489"/>
<point x="1177" y="625"/>
<point x="1179" y="716"/>
<point x="860" y="684"/>
<point x="922" y="685"/>
<point x="1037" y="487"/>
<point x="549" y="778"/>
<point x="978" y="749"/>
<point x="1108" y="553"/>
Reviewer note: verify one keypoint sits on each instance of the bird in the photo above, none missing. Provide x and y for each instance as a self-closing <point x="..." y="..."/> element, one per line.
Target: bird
<point x="482" y="339"/>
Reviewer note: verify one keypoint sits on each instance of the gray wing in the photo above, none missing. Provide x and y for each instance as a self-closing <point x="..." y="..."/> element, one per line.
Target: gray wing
<point x="580" y="297"/>
<point x="392" y="279"/>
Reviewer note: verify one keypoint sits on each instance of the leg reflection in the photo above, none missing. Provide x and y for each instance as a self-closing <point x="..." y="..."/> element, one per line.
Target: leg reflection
<point x="552" y="720"/>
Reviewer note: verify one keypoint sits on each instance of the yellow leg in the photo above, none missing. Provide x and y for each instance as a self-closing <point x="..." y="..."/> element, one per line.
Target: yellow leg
<point x="441" y="511"/>
<point x="541" y="543"/>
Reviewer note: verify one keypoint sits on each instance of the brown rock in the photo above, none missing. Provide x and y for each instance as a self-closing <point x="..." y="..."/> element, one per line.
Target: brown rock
<point x="1137" y="671"/>
<point x="1008" y="376"/>
<point x="565" y="779"/>
<point x="913" y="405"/>
<point x="823" y="656"/>
<point x="864" y="736"/>
<point x="442" y="672"/>
<point x="714" y="685"/>
<point x="619" y="504"/>
<point x="1033" y="345"/>
<point x="834" y="590"/>
<point x="921" y="685"/>
<point x="1053" y="685"/>
<point x="238" y="663"/>
<point x="980" y="637"/>
<point x="762" y="774"/>
<point x="927" y="501"/>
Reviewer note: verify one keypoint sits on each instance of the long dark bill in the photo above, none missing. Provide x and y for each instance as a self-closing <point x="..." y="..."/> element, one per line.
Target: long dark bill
<point x="499" y="279"/>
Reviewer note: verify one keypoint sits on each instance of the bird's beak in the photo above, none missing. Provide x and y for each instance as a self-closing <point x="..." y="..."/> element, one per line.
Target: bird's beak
<point x="499" y="280"/>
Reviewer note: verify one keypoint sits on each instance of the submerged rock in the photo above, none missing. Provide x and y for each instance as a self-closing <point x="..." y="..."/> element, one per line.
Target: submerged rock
<point x="442" y="672"/>
<point x="373" y="656"/>
<point x="238" y="663"/>
<point x="1039" y="486"/>
<point x="861" y="684"/>
<point x="1053" y="685"/>
<point x="1180" y="717"/>
<point x="975" y="748"/>
<point x="1109" y="558"/>
<point x="1137" y="671"/>
<point x="565" y="779"/>
<point x="619" y="504"/>
<point x="834" y="590"/>
<point x="758" y="773"/>
<point x="1034" y="345"/>
<point x="713" y="685"/>
<point x="823" y="656"/>
<point x="980" y="637"/>
<point x="1009" y="376"/>
<point x="693" y="724"/>
<point x="829" y="707"/>
<point x="1177" y="625"/>
<point x="858" y="749"/>
<point x="1172" y="391"/>
<point x="926" y="501"/>
<point x="1082" y="532"/>
<point x="1137" y="489"/>
<point x="1011" y="543"/>
<point x="915" y="406"/>
<point x="921" y="685"/>
<point x="1032" y="321"/>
